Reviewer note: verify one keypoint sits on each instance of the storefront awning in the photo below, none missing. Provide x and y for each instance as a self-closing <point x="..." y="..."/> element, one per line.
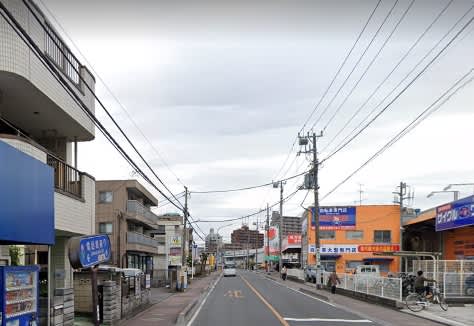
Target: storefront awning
<point x="378" y="259"/>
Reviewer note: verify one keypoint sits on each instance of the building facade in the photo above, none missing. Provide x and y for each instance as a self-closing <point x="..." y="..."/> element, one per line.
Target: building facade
<point x="213" y="241"/>
<point x="350" y="235"/>
<point x="247" y="238"/>
<point x="291" y="224"/>
<point x="44" y="113"/>
<point x="123" y="211"/>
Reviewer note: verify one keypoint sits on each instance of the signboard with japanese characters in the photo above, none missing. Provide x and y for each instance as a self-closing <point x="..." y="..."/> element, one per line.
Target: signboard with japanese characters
<point x="456" y="214"/>
<point x="335" y="218"/>
<point x="337" y="249"/>
<point x="175" y="241"/>
<point x="88" y="251"/>
<point x="291" y="241"/>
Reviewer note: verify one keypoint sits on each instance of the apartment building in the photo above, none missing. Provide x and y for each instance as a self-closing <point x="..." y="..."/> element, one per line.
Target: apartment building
<point x="43" y="117"/>
<point x="123" y="211"/>
<point x="247" y="238"/>
<point x="291" y="224"/>
<point x="213" y="241"/>
<point x="350" y="235"/>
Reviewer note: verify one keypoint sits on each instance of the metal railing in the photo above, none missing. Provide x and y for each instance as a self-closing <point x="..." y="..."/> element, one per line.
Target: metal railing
<point x="139" y="238"/>
<point x="134" y="206"/>
<point x="60" y="54"/>
<point x="66" y="178"/>
<point x="384" y="287"/>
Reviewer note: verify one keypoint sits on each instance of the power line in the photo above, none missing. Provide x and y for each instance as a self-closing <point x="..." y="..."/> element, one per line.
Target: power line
<point x="440" y="101"/>
<point x="247" y="188"/>
<point x="10" y="19"/>
<point x="356" y="64"/>
<point x="121" y="105"/>
<point x="100" y="103"/>
<point x="369" y="65"/>
<point x="401" y="92"/>
<point x="389" y="75"/>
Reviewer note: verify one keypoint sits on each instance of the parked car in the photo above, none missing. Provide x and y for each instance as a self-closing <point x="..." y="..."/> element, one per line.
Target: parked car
<point x="229" y="270"/>
<point x="469" y="285"/>
<point x="310" y="273"/>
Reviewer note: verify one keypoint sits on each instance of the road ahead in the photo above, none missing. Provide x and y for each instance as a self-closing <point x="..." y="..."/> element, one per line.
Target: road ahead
<point x="250" y="299"/>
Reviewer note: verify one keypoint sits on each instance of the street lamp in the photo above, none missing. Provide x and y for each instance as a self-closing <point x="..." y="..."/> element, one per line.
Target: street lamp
<point x="457" y="184"/>
<point x="455" y="193"/>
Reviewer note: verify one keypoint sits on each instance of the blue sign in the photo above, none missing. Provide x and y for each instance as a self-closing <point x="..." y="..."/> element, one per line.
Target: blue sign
<point x="26" y="198"/>
<point x="89" y="251"/>
<point x="456" y="214"/>
<point x="335" y="218"/>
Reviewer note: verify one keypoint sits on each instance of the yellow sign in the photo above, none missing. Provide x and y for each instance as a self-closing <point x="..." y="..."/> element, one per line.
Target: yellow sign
<point x="234" y="294"/>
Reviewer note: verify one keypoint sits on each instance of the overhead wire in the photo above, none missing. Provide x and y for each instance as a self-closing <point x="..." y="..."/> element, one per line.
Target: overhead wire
<point x="418" y="75"/>
<point x="402" y="59"/>
<point x="18" y="29"/>
<point x="432" y="108"/>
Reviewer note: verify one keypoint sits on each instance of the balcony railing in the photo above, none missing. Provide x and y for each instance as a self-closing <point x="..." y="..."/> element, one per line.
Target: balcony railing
<point x="141" y="239"/>
<point x="66" y="178"/>
<point x="138" y="208"/>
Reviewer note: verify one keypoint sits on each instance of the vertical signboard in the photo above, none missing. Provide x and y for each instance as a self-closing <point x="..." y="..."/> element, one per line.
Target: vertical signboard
<point x="175" y="253"/>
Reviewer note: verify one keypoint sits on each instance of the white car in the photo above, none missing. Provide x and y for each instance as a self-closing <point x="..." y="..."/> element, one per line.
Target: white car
<point x="229" y="270"/>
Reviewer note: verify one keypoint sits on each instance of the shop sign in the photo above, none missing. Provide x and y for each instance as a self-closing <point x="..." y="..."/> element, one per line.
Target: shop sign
<point x="89" y="251"/>
<point x="175" y="260"/>
<point x="273" y="241"/>
<point x="456" y="214"/>
<point x="379" y="248"/>
<point x="335" y="218"/>
<point x="291" y="241"/>
<point x="175" y="241"/>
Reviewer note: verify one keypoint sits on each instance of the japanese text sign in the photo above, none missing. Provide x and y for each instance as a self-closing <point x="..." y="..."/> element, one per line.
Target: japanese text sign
<point x="456" y="214"/>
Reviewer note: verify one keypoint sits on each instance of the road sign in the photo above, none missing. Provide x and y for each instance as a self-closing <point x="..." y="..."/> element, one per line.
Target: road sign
<point x="89" y="251"/>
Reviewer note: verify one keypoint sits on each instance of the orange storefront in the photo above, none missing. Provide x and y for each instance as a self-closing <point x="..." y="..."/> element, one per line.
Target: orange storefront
<point x="351" y="234"/>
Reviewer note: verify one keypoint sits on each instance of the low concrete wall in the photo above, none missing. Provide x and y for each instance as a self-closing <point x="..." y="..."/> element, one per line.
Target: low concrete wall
<point x="295" y="274"/>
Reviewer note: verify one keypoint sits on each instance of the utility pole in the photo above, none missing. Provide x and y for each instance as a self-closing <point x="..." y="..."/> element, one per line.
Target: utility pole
<point x="267" y="229"/>
<point x="360" y="194"/>
<point x="248" y="241"/>
<point x="402" y="195"/>
<point x="184" y="228"/>
<point x="280" y="229"/>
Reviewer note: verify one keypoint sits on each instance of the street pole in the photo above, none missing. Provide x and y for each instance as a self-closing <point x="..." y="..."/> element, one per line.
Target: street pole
<point x="316" y="201"/>
<point x="183" y="262"/>
<point x="280" y="229"/>
<point x="403" y="188"/>
<point x="248" y="243"/>
<point x="256" y="246"/>
<point x="268" y="239"/>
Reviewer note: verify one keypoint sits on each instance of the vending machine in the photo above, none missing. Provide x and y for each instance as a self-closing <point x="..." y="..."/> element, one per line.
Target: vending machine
<point x="19" y="295"/>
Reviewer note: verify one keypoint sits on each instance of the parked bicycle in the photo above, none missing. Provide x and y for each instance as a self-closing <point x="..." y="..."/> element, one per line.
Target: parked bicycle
<point x="416" y="301"/>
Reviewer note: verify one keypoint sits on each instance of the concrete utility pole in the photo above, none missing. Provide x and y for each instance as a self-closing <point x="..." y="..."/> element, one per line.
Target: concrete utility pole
<point x="280" y="229"/>
<point x="267" y="229"/>
<point x="248" y="242"/>
<point x="402" y="195"/>
<point x="185" y="221"/>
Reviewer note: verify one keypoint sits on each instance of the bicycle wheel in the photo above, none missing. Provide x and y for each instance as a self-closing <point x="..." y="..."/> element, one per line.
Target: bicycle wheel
<point x="442" y="302"/>
<point x="413" y="302"/>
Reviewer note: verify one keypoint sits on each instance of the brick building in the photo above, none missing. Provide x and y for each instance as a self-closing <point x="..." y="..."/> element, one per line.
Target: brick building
<point x="246" y="237"/>
<point x="291" y="224"/>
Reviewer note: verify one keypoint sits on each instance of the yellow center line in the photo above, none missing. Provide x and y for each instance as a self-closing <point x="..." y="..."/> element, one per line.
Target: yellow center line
<point x="273" y="310"/>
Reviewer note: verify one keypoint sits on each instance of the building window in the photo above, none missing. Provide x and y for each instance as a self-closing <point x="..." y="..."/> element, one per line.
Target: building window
<point x="352" y="264"/>
<point x="106" y="196"/>
<point x="383" y="236"/>
<point x="105" y="228"/>
<point x="354" y="235"/>
<point x="328" y="235"/>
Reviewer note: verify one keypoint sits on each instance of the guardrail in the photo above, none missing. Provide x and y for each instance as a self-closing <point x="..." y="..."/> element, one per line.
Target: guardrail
<point x="384" y="287"/>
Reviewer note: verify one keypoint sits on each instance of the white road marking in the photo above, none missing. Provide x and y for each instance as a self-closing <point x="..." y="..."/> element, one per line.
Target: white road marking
<point x="203" y="302"/>
<point x="331" y="320"/>
<point x="307" y="295"/>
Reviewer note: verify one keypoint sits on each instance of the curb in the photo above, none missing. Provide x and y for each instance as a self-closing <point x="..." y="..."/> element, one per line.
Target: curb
<point x="189" y="310"/>
<point x="439" y="320"/>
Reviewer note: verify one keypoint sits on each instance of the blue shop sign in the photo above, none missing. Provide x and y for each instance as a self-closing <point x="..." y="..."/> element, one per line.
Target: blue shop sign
<point x="26" y="198"/>
<point x="336" y="218"/>
<point x="88" y="251"/>
<point x="456" y="214"/>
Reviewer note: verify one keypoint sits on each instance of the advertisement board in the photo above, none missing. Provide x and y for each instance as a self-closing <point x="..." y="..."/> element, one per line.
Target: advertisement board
<point x="335" y="218"/>
<point x="273" y="242"/>
<point x="456" y="214"/>
<point x="175" y="241"/>
<point x="26" y="198"/>
<point x="333" y="249"/>
<point x="291" y="241"/>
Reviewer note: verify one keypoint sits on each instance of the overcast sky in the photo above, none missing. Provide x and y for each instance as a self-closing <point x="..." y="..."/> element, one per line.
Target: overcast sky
<point x="221" y="89"/>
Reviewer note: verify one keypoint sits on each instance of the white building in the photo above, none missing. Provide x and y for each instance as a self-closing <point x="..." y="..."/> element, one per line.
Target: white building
<point x="40" y="118"/>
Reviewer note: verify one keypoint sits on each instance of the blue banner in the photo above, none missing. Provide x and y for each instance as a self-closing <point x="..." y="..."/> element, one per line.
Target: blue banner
<point x="335" y="218"/>
<point x="456" y="214"/>
<point x="94" y="250"/>
<point x="26" y="198"/>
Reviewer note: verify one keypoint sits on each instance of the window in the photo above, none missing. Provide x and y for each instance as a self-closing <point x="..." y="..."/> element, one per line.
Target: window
<point x="354" y="235"/>
<point x="105" y="228"/>
<point x="106" y="196"/>
<point x="352" y="264"/>
<point x="383" y="236"/>
<point x="325" y="234"/>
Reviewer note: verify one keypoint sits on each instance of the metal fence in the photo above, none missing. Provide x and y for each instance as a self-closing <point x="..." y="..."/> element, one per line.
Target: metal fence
<point x="384" y="287"/>
<point x="66" y="178"/>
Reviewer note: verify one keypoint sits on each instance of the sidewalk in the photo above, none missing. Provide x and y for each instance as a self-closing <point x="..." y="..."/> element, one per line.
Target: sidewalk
<point x="457" y="316"/>
<point x="377" y="313"/>
<point x="167" y="306"/>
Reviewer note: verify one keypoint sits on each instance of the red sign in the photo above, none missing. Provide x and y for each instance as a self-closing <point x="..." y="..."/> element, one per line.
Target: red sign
<point x="294" y="239"/>
<point x="379" y="248"/>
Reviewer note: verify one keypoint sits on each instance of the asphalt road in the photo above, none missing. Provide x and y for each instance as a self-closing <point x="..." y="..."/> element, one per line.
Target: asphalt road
<point x="250" y="299"/>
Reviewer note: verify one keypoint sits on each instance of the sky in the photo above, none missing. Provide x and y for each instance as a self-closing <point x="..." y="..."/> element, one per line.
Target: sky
<point x="215" y="93"/>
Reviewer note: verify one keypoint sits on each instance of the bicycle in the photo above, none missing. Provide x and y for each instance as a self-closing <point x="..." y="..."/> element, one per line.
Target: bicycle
<point x="416" y="302"/>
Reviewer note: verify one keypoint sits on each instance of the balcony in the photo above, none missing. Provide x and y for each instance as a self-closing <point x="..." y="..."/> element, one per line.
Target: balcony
<point x="140" y="242"/>
<point x="48" y="108"/>
<point x="141" y="213"/>
<point x="74" y="197"/>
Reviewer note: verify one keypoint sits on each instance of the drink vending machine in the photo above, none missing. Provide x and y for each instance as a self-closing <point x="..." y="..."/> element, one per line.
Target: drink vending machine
<point x="19" y="295"/>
